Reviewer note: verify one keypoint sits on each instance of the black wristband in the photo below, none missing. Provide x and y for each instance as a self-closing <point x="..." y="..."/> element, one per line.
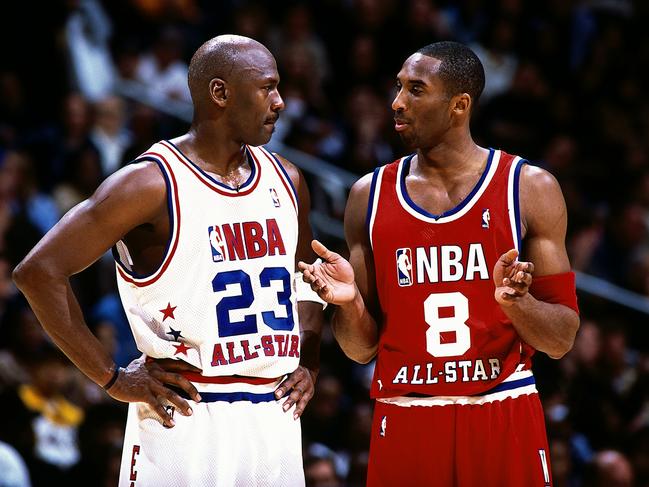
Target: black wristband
<point x="113" y="379"/>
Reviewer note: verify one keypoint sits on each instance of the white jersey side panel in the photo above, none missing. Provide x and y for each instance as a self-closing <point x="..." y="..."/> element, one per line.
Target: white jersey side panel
<point x="223" y="298"/>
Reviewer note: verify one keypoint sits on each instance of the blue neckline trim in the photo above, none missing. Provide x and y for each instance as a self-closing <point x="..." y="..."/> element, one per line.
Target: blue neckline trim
<point x="406" y="169"/>
<point x="251" y="178"/>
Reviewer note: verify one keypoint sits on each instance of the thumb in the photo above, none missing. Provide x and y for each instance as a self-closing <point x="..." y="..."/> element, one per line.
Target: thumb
<point x="509" y="257"/>
<point x="322" y="251"/>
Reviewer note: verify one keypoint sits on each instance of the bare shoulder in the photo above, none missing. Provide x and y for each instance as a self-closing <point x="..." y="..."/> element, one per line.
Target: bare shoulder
<point x="538" y="180"/>
<point x="542" y="202"/>
<point x="139" y="185"/>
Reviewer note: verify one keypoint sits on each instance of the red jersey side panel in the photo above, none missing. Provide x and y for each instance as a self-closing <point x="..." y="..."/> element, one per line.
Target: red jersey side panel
<point x="443" y="332"/>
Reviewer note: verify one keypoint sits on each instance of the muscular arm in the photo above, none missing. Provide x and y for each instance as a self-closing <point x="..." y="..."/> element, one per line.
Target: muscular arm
<point x="550" y="328"/>
<point x="353" y="325"/>
<point x="133" y="196"/>
<point x="310" y="313"/>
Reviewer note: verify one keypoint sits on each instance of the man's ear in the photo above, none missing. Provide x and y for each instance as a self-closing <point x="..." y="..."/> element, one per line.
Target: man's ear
<point x="219" y="91"/>
<point x="461" y="104"/>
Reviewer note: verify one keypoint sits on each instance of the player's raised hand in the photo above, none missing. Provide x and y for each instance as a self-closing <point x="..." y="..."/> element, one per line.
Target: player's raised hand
<point x="143" y="381"/>
<point x="301" y="384"/>
<point x="332" y="279"/>
<point x="512" y="278"/>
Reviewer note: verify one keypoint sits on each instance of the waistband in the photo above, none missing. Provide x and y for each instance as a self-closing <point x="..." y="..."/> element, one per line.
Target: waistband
<point x="517" y="384"/>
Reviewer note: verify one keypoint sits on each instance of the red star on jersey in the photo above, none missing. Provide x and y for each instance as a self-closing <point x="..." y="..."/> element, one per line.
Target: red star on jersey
<point x="181" y="348"/>
<point x="168" y="312"/>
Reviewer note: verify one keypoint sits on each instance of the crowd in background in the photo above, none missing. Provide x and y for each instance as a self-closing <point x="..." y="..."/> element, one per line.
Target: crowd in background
<point x="564" y="90"/>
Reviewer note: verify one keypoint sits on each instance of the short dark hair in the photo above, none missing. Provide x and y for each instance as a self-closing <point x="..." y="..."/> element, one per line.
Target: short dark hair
<point x="460" y="70"/>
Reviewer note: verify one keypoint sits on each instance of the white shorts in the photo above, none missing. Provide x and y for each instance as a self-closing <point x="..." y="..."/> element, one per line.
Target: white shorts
<point x="239" y="443"/>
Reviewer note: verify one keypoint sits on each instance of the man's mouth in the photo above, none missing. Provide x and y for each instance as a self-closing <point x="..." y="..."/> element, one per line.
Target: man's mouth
<point x="400" y="124"/>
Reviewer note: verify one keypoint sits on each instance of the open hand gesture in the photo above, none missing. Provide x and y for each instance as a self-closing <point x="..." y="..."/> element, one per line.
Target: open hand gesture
<point x="332" y="278"/>
<point x="512" y="278"/>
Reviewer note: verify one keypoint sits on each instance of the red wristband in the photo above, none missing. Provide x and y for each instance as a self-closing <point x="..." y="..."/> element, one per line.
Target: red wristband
<point x="556" y="289"/>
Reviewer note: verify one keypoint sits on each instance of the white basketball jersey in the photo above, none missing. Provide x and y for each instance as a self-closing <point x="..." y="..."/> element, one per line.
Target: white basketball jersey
<point x="223" y="298"/>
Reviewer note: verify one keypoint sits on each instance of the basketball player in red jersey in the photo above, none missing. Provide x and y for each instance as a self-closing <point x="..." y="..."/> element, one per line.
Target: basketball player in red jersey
<point x="206" y="229"/>
<point x="453" y="332"/>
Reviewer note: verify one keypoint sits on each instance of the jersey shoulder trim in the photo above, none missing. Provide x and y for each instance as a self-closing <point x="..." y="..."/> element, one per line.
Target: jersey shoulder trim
<point x="120" y="252"/>
<point x="513" y="203"/>
<point x="373" y="200"/>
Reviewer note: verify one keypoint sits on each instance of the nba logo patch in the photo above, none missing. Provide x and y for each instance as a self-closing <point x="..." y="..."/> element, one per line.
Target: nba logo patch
<point x="275" y="198"/>
<point x="384" y="424"/>
<point x="486" y="217"/>
<point x="216" y="244"/>
<point x="404" y="267"/>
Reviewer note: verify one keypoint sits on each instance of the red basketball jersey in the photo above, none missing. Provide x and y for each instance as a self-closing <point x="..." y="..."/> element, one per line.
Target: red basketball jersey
<point x="443" y="333"/>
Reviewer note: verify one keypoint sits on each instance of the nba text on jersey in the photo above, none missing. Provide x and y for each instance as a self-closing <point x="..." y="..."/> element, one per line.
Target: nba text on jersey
<point x="446" y="263"/>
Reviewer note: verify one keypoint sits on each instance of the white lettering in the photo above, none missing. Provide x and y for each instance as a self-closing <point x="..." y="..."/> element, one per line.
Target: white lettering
<point x="415" y="374"/>
<point x="451" y="373"/>
<point x="427" y="263"/>
<point x="479" y="372"/>
<point x="429" y="374"/>
<point x="495" y="367"/>
<point x="402" y="376"/>
<point x="452" y="269"/>
<point x="464" y="365"/>
<point x="476" y="262"/>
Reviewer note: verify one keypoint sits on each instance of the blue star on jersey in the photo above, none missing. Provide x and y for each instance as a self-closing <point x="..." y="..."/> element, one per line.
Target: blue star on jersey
<point x="174" y="333"/>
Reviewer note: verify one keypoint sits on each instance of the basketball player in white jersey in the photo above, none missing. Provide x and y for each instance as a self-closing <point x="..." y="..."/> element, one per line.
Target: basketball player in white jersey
<point x="206" y="230"/>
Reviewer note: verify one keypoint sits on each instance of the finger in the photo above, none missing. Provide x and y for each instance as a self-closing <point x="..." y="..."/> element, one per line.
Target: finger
<point x="301" y="403"/>
<point x="509" y="257"/>
<point x="176" y="400"/>
<point x="158" y="407"/>
<point x="303" y="266"/>
<point x="530" y="267"/>
<point x="323" y="251"/>
<point x="290" y="381"/>
<point x="180" y="381"/>
<point x="293" y="397"/>
<point x="308" y="277"/>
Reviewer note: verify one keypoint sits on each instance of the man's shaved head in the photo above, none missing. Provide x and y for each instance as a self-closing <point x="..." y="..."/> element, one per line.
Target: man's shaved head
<point x="224" y="57"/>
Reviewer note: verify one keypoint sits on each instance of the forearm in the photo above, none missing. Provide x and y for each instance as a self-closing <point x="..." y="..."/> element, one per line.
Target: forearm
<point x="57" y="309"/>
<point x="356" y="330"/>
<point x="311" y="320"/>
<point x="549" y="328"/>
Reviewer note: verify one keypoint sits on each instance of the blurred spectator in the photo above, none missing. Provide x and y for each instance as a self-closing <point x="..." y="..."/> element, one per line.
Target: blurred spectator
<point x="57" y="420"/>
<point x="610" y="469"/>
<point x="13" y="467"/>
<point x="109" y="133"/>
<point x="88" y="31"/>
<point x="162" y="70"/>
<point x="497" y="53"/>
<point x="83" y="174"/>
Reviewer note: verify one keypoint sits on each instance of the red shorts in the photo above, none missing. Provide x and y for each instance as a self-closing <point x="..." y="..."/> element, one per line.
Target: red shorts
<point x="499" y="443"/>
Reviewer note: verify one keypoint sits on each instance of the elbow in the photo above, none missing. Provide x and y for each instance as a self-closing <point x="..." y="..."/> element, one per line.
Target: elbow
<point x="362" y="356"/>
<point x="566" y="342"/>
<point x="27" y="274"/>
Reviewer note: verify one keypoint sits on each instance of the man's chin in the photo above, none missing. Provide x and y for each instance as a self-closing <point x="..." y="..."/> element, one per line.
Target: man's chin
<point x="408" y="140"/>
